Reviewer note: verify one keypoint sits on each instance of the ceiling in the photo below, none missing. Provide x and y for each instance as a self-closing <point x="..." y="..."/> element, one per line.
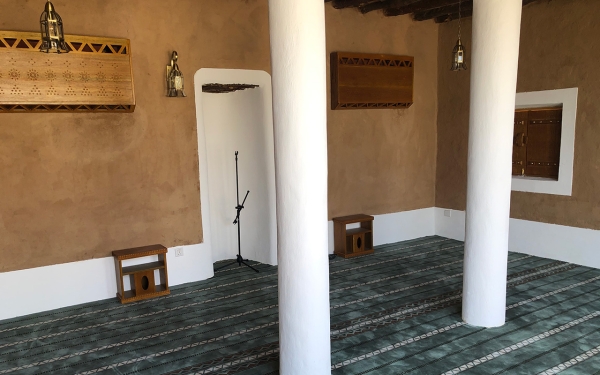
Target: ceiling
<point x="421" y="10"/>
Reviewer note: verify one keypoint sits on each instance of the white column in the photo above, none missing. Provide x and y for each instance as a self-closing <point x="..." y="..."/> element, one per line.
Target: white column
<point x="298" y="62"/>
<point x="496" y="30"/>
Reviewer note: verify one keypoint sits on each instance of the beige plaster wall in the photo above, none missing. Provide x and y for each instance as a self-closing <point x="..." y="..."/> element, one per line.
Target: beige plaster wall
<point x="76" y="186"/>
<point x="383" y="161"/>
<point x="559" y="48"/>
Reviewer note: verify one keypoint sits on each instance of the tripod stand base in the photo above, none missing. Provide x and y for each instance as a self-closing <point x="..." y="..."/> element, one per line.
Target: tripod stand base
<point x="239" y="260"/>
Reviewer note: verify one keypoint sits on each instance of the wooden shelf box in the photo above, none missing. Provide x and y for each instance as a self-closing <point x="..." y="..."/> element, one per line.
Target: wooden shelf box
<point x="143" y="284"/>
<point x="353" y="242"/>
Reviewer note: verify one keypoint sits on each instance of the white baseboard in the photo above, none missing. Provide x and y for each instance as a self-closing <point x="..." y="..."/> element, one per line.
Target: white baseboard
<point x="568" y="244"/>
<point x="451" y="227"/>
<point x="46" y="288"/>
<point x="398" y="226"/>
<point x="93" y="280"/>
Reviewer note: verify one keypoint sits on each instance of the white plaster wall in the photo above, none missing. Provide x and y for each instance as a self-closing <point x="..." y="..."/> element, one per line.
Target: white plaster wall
<point x="87" y="281"/>
<point x="560" y="242"/>
<point x="240" y="121"/>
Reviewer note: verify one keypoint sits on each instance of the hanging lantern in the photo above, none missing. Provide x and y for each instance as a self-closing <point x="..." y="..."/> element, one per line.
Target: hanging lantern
<point x="458" y="54"/>
<point x="174" y="78"/>
<point x="459" y="57"/>
<point x="53" y="37"/>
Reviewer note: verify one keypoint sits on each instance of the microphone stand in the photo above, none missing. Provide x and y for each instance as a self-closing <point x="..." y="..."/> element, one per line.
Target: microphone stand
<point x="239" y="259"/>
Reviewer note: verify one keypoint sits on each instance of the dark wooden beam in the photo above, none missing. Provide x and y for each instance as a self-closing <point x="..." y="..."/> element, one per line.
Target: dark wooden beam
<point x="465" y="13"/>
<point x="420" y="6"/>
<point x="341" y="4"/>
<point x="453" y="16"/>
<point x="466" y="6"/>
<point x="525" y="2"/>
<point x="218" y="88"/>
<point x="440" y="10"/>
<point x="384" y="4"/>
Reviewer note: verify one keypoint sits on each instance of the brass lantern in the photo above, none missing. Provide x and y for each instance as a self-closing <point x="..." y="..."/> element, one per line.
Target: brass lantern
<point x="174" y="78"/>
<point x="53" y="36"/>
<point x="458" y="54"/>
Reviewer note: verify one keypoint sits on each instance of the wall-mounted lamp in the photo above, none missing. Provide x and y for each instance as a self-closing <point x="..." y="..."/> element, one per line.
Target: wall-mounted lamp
<point x="174" y="78"/>
<point x="458" y="54"/>
<point x="53" y="36"/>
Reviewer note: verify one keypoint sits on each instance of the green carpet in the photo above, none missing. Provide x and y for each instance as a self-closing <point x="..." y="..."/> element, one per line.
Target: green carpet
<point x="394" y="312"/>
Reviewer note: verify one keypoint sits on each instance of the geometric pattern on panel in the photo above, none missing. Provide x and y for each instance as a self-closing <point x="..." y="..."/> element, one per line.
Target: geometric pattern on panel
<point x="95" y="76"/>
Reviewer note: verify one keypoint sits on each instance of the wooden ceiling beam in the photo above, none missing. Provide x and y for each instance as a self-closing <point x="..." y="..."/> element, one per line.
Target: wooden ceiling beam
<point x="465" y="12"/>
<point x="439" y="10"/>
<point x="342" y="4"/>
<point x="466" y="6"/>
<point x="384" y="4"/>
<point x="420" y="6"/>
<point x="453" y="16"/>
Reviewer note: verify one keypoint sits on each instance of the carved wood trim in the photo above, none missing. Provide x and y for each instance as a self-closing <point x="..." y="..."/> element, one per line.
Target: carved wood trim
<point x="400" y="61"/>
<point x="96" y="76"/>
<point x="26" y="108"/>
<point x="371" y="81"/>
<point x="220" y="88"/>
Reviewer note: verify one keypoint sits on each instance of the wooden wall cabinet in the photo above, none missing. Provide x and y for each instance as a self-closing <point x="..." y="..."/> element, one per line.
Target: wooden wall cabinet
<point x="95" y="76"/>
<point x="364" y="80"/>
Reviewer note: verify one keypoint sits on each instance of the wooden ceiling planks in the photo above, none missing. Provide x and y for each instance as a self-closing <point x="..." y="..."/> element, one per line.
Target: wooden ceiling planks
<point x="421" y="10"/>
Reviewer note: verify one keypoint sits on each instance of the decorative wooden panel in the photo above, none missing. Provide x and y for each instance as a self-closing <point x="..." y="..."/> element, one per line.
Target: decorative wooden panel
<point x="96" y="76"/>
<point x="363" y="80"/>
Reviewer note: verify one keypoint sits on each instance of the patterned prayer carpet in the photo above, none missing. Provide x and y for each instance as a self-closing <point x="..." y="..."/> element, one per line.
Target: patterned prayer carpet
<point x="394" y="312"/>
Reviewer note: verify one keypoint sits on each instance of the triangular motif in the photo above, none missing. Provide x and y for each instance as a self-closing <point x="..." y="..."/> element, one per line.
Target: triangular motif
<point x="10" y="41"/>
<point x="75" y="45"/>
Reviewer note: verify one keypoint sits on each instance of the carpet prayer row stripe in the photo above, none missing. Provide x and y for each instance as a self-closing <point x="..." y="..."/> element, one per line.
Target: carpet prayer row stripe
<point x="186" y="293"/>
<point x="175" y="308"/>
<point x="429" y="334"/>
<point x="572" y="362"/>
<point x="521" y="344"/>
<point x="243" y="360"/>
<point x="440" y="346"/>
<point x="396" y="311"/>
<point x="445" y="316"/>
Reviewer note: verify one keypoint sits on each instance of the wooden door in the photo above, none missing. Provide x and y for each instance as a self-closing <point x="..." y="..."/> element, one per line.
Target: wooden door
<point x="520" y="143"/>
<point x="543" y="143"/>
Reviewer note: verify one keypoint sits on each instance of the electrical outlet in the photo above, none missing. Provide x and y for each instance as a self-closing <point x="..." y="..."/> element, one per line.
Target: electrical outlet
<point x="179" y="251"/>
<point x="448" y="213"/>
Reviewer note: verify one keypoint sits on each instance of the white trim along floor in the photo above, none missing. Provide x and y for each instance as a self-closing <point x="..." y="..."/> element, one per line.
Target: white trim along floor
<point x="94" y="280"/>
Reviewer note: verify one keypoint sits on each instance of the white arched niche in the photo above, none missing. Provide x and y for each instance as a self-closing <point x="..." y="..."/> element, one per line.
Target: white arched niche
<point x="228" y="122"/>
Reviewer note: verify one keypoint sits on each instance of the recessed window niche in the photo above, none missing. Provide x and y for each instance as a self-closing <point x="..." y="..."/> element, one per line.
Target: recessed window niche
<point x="567" y="99"/>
